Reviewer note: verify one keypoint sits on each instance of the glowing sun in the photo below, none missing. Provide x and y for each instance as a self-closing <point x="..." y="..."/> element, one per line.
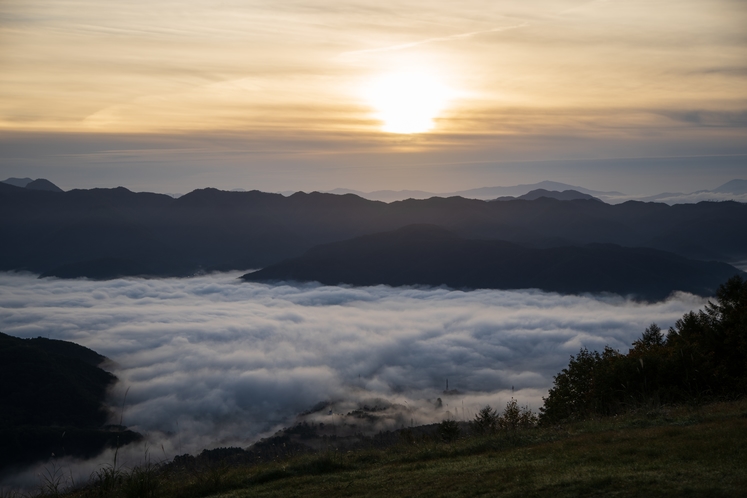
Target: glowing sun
<point x="407" y="102"/>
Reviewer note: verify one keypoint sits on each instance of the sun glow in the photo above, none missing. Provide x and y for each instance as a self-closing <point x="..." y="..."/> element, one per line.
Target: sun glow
<point x="408" y="102"/>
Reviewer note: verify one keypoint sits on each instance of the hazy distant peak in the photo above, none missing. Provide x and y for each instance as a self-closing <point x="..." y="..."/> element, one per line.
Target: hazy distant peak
<point x="733" y="187"/>
<point x="733" y="190"/>
<point x="38" y="184"/>
<point x="565" y="195"/>
<point x="18" y="182"/>
<point x="519" y="190"/>
<point x="339" y="191"/>
<point x="42" y="184"/>
<point x="386" y="195"/>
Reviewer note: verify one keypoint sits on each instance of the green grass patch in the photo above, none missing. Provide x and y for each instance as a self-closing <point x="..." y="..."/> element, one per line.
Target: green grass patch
<point x="681" y="451"/>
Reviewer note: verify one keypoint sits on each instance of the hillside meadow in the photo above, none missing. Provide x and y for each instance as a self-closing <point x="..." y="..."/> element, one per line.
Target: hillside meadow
<point x="695" y="450"/>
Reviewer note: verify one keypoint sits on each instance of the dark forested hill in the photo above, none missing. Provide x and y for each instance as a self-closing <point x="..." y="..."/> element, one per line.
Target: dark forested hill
<point x="49" y="382"/>
<point x="52" y="397"/>
<point x="103" y="233"/>
<point x="429" y="255"/>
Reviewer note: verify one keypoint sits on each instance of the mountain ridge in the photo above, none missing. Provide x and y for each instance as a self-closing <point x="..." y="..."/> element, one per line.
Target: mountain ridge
<point x="729" y="190"/>
<point x="210" y="229"/>
<point x="432" y="256"/>
<point x="482" y="193"/>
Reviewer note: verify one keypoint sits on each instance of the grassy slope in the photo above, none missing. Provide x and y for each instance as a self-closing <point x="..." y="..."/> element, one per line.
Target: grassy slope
<point x="676" y="452"/>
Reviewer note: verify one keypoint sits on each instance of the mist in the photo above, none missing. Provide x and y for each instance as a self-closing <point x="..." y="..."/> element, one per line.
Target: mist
<point x="212" y="361"/>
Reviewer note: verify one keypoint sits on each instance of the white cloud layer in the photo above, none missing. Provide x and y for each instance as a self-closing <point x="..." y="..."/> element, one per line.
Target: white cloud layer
<point x="211" y="361"/>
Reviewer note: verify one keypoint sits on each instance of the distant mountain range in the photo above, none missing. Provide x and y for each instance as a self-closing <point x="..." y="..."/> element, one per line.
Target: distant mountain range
<point x="483" y="193"/>
<point x="566" y="195"/>
<point x="430" y="255"/>
<point x="107" y="233"/>
<point x="732" y="190"/>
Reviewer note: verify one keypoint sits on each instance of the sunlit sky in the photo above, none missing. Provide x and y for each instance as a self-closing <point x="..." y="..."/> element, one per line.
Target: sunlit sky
<point x="168" y="96"/>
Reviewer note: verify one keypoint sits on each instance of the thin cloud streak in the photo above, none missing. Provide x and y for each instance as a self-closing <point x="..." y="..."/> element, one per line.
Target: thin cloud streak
<point x="403" y="46"/>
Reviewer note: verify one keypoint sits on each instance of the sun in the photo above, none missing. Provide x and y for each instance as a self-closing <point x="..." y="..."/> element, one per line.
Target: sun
<point x="407" y="102"/>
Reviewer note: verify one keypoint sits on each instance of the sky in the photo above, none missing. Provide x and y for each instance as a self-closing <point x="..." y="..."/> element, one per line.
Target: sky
<point x="635" y="96"/>
<point x="214" y="361"/>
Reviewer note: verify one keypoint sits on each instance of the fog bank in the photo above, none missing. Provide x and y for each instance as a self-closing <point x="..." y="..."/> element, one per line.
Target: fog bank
<point x="212" y="361"/>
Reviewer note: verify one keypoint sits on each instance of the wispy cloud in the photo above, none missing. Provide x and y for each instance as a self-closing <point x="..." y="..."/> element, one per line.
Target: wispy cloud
<point x="727" y="119"/>
<point x="403" y="46"/>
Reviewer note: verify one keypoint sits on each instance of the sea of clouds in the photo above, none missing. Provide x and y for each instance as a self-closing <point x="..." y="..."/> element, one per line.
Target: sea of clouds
<point x="213" y="361"/>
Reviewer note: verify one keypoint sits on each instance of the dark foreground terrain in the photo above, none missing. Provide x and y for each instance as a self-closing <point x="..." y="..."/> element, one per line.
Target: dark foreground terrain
<point x="660" y="451"/>
<point x="656" y="453"/>
<point x="52" y="402"/>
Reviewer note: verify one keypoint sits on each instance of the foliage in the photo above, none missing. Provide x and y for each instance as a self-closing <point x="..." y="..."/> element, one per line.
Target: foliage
<point x="485" y="422"/>
<point x="514" y="417"/>
<point x="703" y="356"/>
<point x="448" y="431"/>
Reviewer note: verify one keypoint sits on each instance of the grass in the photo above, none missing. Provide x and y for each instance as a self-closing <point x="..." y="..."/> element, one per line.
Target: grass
<point x="615" y="458"/>
<point x="684" y="451"/>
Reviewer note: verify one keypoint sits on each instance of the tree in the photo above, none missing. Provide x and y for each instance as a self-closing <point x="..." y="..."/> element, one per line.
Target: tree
<point x="583" y="388"/>
<point x="515" y="417"/>
<point x="651" y="338"/>
<point x="485" y="422"/>
<point x="703" y="355"/>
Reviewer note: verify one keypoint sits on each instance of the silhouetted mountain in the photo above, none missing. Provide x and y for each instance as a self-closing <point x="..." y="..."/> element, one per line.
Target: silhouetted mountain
<point x="430" y="255"/>
<point x="566" y="195"/>
<point x="42" y="184"/>
<point x="52" y="394"/>
<point x="102" y="233"/>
